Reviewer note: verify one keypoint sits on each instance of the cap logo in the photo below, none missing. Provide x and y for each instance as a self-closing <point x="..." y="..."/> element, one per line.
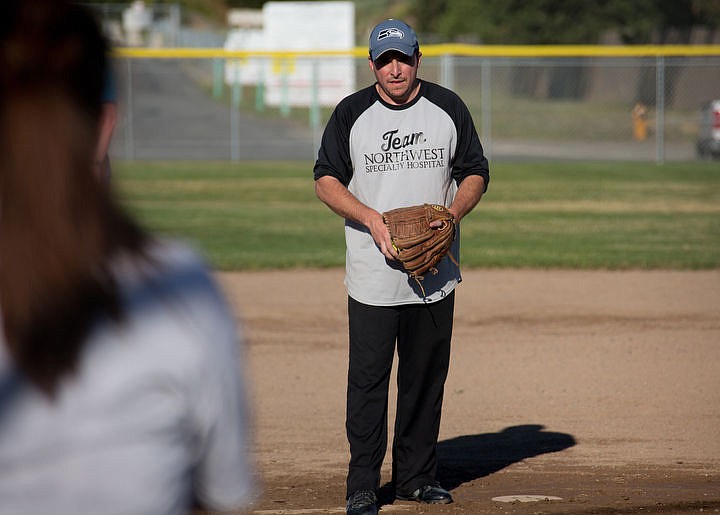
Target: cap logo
<point x="390" y="33"/>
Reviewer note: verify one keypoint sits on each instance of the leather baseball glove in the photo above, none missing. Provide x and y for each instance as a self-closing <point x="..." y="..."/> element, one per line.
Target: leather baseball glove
<point x="420" y="247"/>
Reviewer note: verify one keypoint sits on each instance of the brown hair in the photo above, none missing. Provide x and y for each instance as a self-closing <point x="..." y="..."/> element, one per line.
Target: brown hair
<point x="59" y="225"/>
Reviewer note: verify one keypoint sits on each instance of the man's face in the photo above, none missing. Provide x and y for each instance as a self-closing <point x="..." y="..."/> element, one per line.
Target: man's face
<point x="395" y="73"/>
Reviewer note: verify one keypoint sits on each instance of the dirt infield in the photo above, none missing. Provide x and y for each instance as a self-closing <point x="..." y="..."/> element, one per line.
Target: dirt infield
<point x="598" y="388"/>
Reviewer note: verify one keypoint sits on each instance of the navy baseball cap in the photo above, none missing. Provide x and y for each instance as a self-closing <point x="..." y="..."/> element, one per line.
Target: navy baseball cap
<point x="392" y="35"/>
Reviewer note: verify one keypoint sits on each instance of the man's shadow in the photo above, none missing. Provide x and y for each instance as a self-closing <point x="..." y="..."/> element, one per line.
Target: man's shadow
<point x="466" y="458"/>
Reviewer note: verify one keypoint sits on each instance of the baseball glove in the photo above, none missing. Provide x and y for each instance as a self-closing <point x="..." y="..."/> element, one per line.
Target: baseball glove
<point x="419" y="246"/>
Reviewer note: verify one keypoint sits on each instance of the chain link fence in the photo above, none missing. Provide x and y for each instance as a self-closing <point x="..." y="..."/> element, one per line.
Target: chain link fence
<point x="176" y="105"/>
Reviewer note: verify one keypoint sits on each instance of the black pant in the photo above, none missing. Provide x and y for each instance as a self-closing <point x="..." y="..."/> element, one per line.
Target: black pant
<point x="423" y="333"/>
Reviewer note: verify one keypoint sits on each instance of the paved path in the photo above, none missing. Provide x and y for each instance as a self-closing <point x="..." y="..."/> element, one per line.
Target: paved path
<point x="168" y="115"/>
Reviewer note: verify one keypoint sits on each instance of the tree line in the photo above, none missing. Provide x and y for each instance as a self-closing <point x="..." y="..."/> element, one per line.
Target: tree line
<point x="524" y="22"/>
<point x="530" y="22"/>
<point x="566" y="21"/>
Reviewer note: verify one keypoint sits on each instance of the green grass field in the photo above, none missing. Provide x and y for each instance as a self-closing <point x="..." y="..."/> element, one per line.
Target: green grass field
<point x="535" y="214"/>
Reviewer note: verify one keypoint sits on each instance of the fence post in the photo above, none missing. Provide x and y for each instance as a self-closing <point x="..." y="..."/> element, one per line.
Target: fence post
<point x="235" y="115"/>
<point x="285" y="87"/>
<point x="447" y="71"/>
<point x="315" y="96"/>
<point x="218" y="77"/>
<point x="129" y="143"/>
<point x="315" y="107"/>
<point x="486" y="106"/>
<point x="260" y="88"/>
<point x="660" y="110"/>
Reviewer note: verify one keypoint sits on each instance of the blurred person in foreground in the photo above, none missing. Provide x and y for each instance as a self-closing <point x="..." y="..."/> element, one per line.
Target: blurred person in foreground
<point x="399" y="142"/>
<point x="108" y="121"/>
<point x="121" y="389"/>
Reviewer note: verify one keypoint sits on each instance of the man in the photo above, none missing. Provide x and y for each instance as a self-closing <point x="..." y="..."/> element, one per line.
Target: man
<point x="400" y="142"/>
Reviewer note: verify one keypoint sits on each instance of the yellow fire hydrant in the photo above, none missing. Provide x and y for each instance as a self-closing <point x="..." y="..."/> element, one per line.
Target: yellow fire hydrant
<point x="639" y="117"/>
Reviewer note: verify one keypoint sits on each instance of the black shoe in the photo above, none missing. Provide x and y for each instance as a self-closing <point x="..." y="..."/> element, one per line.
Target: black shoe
<point x="432" y="493"/>
<point x="362" y="502"/>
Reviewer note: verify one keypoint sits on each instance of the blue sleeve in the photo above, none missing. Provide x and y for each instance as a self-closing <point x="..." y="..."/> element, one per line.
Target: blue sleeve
<point x="109" y="93"/>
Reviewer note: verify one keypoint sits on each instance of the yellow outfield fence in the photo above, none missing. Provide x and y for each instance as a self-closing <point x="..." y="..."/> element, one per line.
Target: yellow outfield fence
<point x="439" y="50"/>
<point x="638" y="102"/>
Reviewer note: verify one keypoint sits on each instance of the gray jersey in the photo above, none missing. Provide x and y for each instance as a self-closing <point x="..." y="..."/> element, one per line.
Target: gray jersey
<point x="394" y="156"/>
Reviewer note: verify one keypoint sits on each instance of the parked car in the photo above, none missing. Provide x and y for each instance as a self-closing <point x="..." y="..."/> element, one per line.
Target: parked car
<point x="708" y="143"/>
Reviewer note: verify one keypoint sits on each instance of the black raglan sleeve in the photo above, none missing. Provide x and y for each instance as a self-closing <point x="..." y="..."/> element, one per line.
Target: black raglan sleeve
<point x="334" y="153"/>
<point x="334" y="157"/>
<point x="469" y="155"/>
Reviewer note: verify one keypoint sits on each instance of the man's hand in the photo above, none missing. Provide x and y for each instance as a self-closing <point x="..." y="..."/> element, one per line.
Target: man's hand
<point x="419" y="242"/>
<point x="381" y="235"/>
<point x="468" y="195"/>
<point x="337" y="197"/>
